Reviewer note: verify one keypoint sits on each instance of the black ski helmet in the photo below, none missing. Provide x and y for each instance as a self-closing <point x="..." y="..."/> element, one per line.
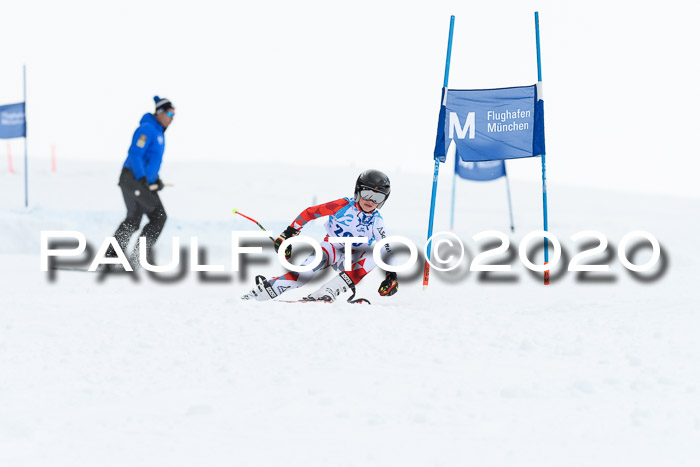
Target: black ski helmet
<point x="373" y="180"/>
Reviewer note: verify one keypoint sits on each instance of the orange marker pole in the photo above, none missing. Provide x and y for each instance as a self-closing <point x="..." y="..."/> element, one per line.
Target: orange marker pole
<point x="9" y="158"/>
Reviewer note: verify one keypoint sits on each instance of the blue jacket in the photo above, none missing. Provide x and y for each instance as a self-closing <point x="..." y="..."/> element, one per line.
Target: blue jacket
<point x="146" y="151"/>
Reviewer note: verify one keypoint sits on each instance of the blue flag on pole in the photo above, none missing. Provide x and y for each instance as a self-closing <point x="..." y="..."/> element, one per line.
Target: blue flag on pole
<point x="12" y="121"/>
<point x="491" y="124"/>
<point x="480" y="171"/>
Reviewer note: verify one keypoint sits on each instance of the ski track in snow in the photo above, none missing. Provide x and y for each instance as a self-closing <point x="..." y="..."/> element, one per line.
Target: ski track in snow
<point x="119" y="372"/>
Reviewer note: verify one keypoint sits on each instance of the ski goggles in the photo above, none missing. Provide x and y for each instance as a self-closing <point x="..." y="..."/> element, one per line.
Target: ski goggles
<point x="374" y="196"/>
<point x="170" y="114"/>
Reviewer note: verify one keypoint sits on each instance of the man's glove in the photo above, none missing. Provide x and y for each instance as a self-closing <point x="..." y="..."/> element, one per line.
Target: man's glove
<point x="157" y="186"/>
<point x="289" y="232"/>
<point x="389" y="286"/>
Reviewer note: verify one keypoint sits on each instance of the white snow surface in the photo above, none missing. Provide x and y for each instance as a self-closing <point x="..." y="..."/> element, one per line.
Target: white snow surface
<point x="127" y="370"/>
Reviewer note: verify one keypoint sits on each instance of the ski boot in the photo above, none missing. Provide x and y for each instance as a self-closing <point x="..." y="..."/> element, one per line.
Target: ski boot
<point x="333" y="288"/>
<point x="262" y="290"/>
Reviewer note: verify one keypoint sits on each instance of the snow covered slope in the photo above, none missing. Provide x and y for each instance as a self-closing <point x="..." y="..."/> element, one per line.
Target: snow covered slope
<point x="489" y="371"/>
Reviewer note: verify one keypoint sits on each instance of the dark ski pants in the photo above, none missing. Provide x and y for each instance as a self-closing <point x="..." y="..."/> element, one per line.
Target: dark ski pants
<point x="139" y="200"/>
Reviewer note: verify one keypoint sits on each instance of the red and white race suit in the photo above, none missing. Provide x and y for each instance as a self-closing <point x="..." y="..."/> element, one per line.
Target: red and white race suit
<point x="345" y="219"/>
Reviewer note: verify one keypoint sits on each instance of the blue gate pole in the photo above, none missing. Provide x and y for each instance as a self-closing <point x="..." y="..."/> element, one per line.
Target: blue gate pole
<point x="510" y="204"/>
<point x="452" y="209"/>
<point x="26" y="171"/>
<point x="426" y="268"/>
<point x="544" y="169"/>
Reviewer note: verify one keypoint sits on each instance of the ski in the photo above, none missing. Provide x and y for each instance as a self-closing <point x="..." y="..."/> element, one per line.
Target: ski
<point x="357" y="301"/>
<point x="68" y="268"/>
<point x="263" y="285"/>
<point x="100" y="269"/>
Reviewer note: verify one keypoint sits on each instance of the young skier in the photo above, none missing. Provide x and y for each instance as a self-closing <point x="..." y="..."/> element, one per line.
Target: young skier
<point x="347" y="217"/>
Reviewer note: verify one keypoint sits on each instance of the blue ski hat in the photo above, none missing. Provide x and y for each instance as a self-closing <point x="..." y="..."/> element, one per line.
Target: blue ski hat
<point x="162" y="104"/>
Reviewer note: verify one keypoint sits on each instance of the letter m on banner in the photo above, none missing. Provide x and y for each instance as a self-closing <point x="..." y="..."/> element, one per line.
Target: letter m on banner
<point x="504" y="123"/>
<point x="462" y="130"/>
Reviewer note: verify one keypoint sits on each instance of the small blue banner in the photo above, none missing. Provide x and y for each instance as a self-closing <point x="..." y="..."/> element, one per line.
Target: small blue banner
<point x="480" y="171"/>
<point x="491" y="124"/>
<point x="12" y="121"/>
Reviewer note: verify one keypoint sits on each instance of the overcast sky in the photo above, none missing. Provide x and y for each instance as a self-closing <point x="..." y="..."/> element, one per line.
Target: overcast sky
<point x="337" y="83"/>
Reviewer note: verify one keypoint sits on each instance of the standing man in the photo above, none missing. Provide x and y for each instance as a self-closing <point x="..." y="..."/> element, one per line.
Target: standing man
<point x="140" y="182"/>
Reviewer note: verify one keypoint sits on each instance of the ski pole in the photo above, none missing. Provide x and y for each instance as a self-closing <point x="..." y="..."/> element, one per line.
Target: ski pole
<point x="236" y="211"/>
<point x="154" y="186"/>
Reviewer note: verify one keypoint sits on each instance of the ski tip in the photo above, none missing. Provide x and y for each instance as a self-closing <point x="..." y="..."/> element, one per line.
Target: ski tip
<point x="235" y="211"/>
<point x="360" y="301"/>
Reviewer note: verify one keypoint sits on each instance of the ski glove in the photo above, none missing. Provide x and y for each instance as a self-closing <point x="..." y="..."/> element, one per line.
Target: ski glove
<point x="389" y="286"/>
<point x="157" y="186"/>
<point x="289" y="232"/>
